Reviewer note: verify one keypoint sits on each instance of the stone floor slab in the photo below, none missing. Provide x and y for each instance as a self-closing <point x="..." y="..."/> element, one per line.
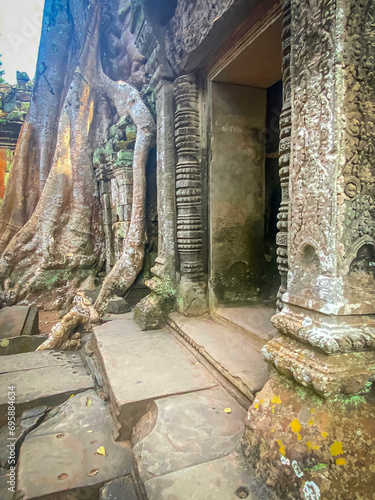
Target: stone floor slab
<point x="140" y="371"/>
<point x="254" y="320"/>
<point x="40" y="359"/>
<point x="58" y="377"/>
<point x="232" y="353"/>
<point x="190" y="429"/>
<point x="62" y="453"/>
<point x="119" y="489"/>
<point x="222" y="479"/>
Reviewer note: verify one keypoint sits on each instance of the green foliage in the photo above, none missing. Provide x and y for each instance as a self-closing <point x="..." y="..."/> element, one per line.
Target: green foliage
<point x="1" y="71"/>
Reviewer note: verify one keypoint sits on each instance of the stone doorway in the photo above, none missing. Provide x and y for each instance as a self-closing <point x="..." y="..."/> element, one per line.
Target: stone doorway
<point x="244" y="190"/>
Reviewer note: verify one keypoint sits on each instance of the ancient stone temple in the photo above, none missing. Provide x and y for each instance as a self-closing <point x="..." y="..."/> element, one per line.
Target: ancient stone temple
<point x="265" y="170"/>
<point x="14" y="103"/>
<point x="221" y="154"/>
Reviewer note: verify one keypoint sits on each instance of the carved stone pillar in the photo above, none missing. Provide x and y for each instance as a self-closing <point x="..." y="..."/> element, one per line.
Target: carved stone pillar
<point x="285" y="140"/>
<point x="152" y="311"/>
<point x="191" y="300"/>
<point x="305" y="428"/>
<point x="122" y="201"/>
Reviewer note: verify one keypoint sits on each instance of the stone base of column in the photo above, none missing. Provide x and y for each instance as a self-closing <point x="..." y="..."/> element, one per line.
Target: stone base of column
<point x="345" y="373"/>
<point x="191" y="298"/>
<point x="309" y="448"/>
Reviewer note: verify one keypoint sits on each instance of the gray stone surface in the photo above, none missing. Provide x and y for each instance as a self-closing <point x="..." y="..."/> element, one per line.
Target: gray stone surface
<point x="190" y="429"/>
<point x="231" y="352"/>
<point x="62" y="452"/>
<point x="20" y="345"/>
<point x="118" y="305"/>
<point x="144" y="366"/>
<point x="119" y="489"/>
<point x="222" y="479"/>
<point x="253" y="320"/>
<point x="5" y="494"/>
<point x="41" y="378"/>
<point x="93" y="294"/>
<point x="18" y="320"/>
<point x="25" y="424"/>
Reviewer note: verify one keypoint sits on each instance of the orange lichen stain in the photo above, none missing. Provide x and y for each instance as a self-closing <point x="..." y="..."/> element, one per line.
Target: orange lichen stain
<point x="316" y="447"/>
<point x="312" y="411"/>
<point x="282" y="447"/>
<point x="256" y="406"/>
<point x="310" y="422"/>
<point x="308" y="444"/>
<point x="63" y="162"/>
<point x="299" y="437"/>
<point x="324" y="434"/>
<point x="295" y="426"/>
<point x="340" y="461"/>
<point x="273" y="409"/>
<point x="91" y="116"/>
<point x="276" y="400"/>
<point x="261" y="401"/>
<point x="336" y="449"/>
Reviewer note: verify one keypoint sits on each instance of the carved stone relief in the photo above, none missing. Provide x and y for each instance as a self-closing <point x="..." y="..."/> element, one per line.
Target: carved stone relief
<point x="189" y="193"/>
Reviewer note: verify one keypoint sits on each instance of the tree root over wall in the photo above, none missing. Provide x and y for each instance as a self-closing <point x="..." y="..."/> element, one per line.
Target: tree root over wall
<point x="60" y="246"/>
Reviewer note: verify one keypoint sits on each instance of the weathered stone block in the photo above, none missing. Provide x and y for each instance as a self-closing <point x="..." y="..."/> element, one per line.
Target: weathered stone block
<point x="20" y="345"/>
<point x="118" y="489"/>
<point x="66" y="447"/>
<point x="18" y="320"/>
<point x="118" y="305"/>
<point x="149" y="313"/>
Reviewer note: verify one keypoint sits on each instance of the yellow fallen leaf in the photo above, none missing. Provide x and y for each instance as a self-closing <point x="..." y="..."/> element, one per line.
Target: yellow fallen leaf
<point x="93" y="472"/>
<point x="228" y="410"/>
<point x="4" y="343"/>
<point x="101" y="450"/>
<point x="71" y="396"/>
<point x="88" y="402"/>
<point x="89" y="432"/>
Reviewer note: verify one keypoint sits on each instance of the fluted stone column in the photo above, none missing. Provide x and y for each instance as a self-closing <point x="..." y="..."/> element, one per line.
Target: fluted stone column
<point x="191" y="299"/>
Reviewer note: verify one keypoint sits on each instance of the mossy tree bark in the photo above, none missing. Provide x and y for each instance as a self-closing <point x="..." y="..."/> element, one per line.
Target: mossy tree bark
<point x="52" y="240"/>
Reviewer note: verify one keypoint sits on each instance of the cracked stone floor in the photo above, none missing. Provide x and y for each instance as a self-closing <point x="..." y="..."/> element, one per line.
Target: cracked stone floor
<point x="133" y="415"/>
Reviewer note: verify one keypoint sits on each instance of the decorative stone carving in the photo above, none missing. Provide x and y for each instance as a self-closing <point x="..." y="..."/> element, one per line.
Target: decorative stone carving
<point x="329" y="302"/>
<point x="113" y="169"/>
<point x="285" y="142"/>
<point x="192" y="288"/>
<point x="190" y="26"/>
<point x="327" y="375"/>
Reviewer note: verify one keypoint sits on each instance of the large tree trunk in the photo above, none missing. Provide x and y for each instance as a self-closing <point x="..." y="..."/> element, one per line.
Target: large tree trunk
<point x="61" y="244"/>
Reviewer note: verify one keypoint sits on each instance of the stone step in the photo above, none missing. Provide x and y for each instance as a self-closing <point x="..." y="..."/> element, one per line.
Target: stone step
<point x="61" y="455"/>
<point x="186" y="430"/>
<point x="254" y="321"/>
<point x="139" y="367"/>
<point x="43" y="378"/>
<point x="234" y="354"/>
<point x="226" y="478"/>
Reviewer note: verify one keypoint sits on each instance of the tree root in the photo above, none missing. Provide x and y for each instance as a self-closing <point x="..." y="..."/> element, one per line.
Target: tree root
<point x="63" y="335"/>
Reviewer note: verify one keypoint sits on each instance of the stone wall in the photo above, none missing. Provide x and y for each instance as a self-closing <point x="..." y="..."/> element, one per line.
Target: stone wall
<point x="14" y="103"/>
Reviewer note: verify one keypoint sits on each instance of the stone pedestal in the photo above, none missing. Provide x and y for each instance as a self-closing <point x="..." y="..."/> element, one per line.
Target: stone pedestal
<point x="317" y="444"/>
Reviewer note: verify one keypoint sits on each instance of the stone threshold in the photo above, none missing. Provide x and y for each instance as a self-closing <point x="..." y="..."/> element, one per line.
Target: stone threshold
<point x="230" y="352"/>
